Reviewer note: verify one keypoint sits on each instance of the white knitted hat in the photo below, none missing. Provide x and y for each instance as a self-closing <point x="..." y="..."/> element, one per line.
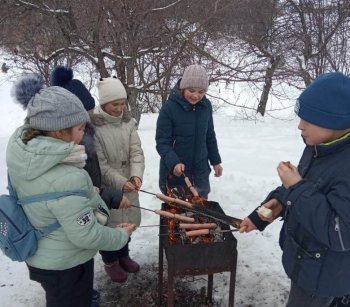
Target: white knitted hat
<point x="110" y="89"/>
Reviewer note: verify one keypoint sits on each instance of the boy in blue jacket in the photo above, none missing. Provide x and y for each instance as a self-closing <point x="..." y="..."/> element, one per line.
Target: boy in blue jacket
<point x="314" y="198"/>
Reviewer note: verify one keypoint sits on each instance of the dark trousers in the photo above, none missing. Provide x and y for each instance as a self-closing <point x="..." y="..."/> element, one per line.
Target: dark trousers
<point x="113" y="256"/>
<point x="68" y="288"/>
<point x="299" y="297"/>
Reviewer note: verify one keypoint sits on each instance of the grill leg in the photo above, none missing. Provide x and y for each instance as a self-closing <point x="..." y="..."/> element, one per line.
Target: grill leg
<point x="160" y="272"/>
<point x="231" y="297"/>
<point x="210" y="287"/>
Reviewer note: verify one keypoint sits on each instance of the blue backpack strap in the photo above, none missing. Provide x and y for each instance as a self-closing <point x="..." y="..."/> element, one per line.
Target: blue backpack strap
<point x="45" y="197"/>
<point x="50" y="196"/>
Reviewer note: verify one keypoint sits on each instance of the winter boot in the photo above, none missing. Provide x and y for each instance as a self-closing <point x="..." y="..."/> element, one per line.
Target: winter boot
<point x="129" y="265"/>
<point x="116" y="272"/>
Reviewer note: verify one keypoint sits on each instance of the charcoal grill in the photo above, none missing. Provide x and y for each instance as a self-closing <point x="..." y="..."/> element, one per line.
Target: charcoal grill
<point x="197" y="259"/>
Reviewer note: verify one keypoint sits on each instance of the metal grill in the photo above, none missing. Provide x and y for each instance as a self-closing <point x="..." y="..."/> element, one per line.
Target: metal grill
<point x="197" y="259"/>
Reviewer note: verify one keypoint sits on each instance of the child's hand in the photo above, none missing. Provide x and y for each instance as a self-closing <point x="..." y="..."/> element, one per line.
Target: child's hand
<point x="217" y="170"/>
<point x="247" y="225"/>
<point x="276" y="208"/>
<point x="125" y="203"/>
<point x="97" y="189"/>
<point x="288" y="173"/>
<point x="129" y="227"/>
<point x="179" y="169"/>
<point x="136" y="181"/>
<point x="128" y="187"/>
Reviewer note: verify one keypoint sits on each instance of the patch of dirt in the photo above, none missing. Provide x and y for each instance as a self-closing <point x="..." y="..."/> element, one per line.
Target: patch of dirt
<point x="141" y="290"/>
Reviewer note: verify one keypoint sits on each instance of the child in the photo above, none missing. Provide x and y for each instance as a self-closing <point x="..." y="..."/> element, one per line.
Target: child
<point x="43" y="156"/>
<point x="185" y="134"/>
<point x="122" y="164"/>
<point x="63" y="76"/>
<point x="114" y="199"/>
<point x="314" y="197"/>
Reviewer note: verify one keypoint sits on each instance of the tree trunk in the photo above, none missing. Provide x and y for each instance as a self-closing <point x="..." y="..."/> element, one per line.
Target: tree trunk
<point x="270" y="71"/>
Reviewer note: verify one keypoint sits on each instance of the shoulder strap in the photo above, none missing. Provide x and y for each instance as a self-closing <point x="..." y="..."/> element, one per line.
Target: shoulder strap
<point x="50" y="196"/>
<point x="45" y="197"/>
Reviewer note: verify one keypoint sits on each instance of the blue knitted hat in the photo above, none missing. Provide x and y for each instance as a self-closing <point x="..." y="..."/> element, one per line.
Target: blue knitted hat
<point x="63" y="76"/>
<point x="326" y="102"/>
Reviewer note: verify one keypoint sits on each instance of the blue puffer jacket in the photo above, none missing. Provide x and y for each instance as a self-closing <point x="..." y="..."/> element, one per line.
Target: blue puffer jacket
<point x="185" y="134"/>
<point x="315" y="237"/>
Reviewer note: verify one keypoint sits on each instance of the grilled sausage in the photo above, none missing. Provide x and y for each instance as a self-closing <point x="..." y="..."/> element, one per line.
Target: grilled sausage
<point x="174" y="216"/>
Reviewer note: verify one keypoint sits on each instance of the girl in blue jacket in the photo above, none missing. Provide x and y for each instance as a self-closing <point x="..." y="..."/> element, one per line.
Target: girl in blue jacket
<point x="185" y="136"/>
<point x="314" y="198"/>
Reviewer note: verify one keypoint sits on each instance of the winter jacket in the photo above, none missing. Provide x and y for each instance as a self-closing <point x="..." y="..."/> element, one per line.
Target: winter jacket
<point x="185" y="134"/>
<point x="315" y="237"/>
<point x="112" y="197"/>
<point x="119" y="151"/>
<point x="37" y="167"/>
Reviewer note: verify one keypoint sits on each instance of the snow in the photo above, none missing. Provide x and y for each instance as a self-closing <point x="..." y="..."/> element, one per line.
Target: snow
<point x="250" y="152"/>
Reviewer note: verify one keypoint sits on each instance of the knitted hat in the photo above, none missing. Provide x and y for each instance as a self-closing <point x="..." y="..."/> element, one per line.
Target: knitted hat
<point x="63" y="76"/>
<point x="326" y="102"/>
<point x="195" y="76"/>
<point x="110" y="89"/>
<point x="48" y="109"/>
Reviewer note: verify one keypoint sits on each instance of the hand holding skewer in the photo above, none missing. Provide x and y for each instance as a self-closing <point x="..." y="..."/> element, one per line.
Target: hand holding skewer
<point x="179" y="169"/>
<point x="129" y="227"/>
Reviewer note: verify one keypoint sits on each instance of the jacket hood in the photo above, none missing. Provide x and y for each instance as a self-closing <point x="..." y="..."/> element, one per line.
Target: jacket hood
<point x="101" y="118"/>
<point x="175" y="95"/>
<point x="35" y="158"/>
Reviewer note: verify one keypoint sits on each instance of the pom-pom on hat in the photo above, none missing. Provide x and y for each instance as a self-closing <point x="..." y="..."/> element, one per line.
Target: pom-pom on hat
<point x="48" y="109"/>
<point x="326" y="102"/>
<point x="195" y="76"/>
<point x="63" y="76"/>
<point x="110" y="89"/>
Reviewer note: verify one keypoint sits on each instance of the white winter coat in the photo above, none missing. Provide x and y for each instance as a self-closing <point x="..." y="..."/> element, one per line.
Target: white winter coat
<point x="121" y="157"/>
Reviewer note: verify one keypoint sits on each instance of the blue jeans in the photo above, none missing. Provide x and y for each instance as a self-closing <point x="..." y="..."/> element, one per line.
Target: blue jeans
<point x="299" y="297"/>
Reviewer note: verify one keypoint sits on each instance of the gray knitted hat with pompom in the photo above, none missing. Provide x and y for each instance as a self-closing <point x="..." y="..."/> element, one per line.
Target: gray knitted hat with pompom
<point x="48" y="109"/>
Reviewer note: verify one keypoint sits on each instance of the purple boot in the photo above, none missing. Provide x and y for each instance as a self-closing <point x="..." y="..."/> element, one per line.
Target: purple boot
<point x="116" y="272"/>
<point x="129" y="265"/>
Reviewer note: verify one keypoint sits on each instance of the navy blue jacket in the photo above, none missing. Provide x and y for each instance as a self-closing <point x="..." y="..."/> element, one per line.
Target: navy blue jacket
<point x="185" y="134"/>
<point x="315" y="237"/>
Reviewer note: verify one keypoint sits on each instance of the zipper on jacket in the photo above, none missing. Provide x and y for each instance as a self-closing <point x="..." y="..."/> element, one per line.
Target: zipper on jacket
<point x="337" y="229"/>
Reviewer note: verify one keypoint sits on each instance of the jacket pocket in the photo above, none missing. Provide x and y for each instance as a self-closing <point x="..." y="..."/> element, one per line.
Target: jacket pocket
<point x="303" y="266"/>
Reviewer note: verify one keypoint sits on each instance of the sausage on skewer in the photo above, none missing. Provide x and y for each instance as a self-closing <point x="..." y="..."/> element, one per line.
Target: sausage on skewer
<point x="174" y="216"/>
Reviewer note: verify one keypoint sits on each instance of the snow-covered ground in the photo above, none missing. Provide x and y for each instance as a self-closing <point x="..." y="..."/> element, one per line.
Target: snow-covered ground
<point x="250" y="152"/>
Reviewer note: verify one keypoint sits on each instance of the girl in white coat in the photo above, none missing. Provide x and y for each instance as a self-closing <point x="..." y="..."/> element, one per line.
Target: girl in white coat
<point x="122" y="164"/>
